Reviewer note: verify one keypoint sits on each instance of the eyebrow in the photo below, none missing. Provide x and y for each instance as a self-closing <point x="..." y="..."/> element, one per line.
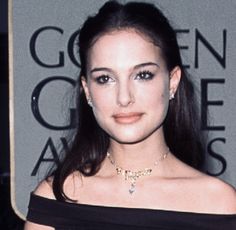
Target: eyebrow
<point x="135" y="67"/>
<point x="146" y="64"/>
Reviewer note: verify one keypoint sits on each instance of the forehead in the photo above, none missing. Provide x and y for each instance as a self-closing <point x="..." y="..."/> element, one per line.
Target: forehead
<point x="123" y="48"/>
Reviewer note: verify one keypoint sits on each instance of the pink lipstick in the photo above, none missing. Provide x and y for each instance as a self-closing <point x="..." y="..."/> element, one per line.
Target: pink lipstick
<point x="127" y="118"/>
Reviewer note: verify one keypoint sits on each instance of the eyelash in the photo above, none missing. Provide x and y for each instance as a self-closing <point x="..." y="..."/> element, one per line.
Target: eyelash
<point x="103" y="79"/>
<point x="142" y="75"/>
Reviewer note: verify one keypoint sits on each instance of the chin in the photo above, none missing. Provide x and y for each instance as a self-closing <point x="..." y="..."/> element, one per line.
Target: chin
<point x="129" y="139"/>
<point x="127" y="142"/>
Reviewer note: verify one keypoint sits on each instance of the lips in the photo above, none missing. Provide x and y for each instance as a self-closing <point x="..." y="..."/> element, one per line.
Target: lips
<point x="127" y="118"/>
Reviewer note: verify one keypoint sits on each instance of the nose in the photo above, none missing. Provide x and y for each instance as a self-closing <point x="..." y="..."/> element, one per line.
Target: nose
<point x="125" y="95"/>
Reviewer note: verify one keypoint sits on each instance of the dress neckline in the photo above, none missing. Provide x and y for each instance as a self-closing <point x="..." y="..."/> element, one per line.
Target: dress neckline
<point x="86" y="206"/>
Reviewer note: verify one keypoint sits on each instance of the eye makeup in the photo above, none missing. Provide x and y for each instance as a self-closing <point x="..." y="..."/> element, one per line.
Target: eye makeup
<point x="144" y="75"/>
<point x="143" y="72"/>
<point x="103" y="79"/>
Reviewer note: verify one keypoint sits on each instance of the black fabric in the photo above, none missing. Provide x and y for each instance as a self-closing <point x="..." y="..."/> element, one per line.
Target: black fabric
<point x="70" y="216"/>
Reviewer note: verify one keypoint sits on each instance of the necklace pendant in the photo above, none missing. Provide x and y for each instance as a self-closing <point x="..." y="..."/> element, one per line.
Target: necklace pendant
<point x="133" y="176"/>
<point x="132" y="189"/>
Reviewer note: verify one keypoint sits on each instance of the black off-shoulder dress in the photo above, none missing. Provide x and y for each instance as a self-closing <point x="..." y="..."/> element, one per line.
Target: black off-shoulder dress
<point x="70" y="216"/>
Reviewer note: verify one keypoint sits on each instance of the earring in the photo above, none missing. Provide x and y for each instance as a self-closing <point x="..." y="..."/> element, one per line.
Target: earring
<point x="172" y="96"/>
<point x="90" y="102"/>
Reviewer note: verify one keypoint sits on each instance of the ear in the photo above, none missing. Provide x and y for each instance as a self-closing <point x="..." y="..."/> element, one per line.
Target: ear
<point x="85" y="87"/>
<point x="175" y="76"/>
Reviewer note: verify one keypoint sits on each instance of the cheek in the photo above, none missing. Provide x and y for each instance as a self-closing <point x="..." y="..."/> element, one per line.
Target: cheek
<point x="156" y="95"/>
<point x="159" y="104"/>
<point x="102" y="101"/>
<point x="98" y="100"/>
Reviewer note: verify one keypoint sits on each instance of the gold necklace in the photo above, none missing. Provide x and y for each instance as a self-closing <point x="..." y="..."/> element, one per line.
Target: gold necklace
<point x="132" y="176"/>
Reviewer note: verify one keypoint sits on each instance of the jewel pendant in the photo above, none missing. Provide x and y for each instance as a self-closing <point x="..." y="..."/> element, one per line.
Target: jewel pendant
<point x="132" y="189"/>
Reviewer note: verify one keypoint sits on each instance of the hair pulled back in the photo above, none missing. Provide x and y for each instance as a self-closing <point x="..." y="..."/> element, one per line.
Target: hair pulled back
<point x="181" y="129"/>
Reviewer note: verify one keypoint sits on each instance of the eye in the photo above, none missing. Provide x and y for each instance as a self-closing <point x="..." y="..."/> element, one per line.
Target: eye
<point x="144" y="75"/>
<point x="103" y="79"/>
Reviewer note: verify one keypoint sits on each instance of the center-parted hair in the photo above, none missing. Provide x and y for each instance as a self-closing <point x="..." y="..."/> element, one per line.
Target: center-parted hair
<point x="89" y="146"/>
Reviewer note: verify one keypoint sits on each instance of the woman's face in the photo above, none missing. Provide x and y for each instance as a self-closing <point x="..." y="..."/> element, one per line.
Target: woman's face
<point x="129" y="86"/>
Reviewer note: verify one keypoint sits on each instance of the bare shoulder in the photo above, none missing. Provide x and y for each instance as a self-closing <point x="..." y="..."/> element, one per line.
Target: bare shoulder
<point x="220" y="195"/>
<point x="71" y="186"/>
<point x="44" y="189"/>
<point x="219" y="187"/>
<point x="208" y="194"/>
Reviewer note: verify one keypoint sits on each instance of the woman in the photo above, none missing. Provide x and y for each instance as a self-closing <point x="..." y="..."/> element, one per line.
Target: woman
<point x="134" y="159"/>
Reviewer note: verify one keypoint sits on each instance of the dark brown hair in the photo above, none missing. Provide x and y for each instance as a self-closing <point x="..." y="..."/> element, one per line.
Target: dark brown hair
<point x="181" y="126"/>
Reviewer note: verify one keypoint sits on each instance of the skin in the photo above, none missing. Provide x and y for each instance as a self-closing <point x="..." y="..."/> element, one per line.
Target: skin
<point x="130" y="89"/>
<point x="131" y="110"/>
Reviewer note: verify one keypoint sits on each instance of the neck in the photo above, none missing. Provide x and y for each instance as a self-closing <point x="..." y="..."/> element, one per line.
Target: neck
<point x="138" y="156"/>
